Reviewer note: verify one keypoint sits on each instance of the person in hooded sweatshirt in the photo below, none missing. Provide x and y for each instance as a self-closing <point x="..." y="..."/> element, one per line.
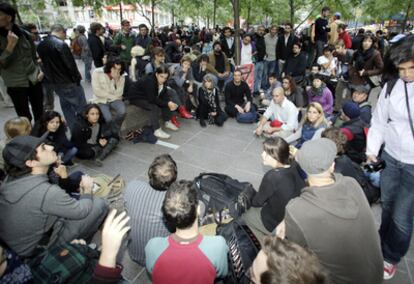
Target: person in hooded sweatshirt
<point x="332" y="218"/>
<point x="31" y="207"/>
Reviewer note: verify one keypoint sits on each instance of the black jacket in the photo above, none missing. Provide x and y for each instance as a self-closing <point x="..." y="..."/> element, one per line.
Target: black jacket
<point x="82" y="132"/>
<point x="295" y="66"/>
<point x="284" y="51"/>
<point x="147" y="89"/>
<point x="355" y="149"/>
<point x="204" y="103"/>
<point x="173" y="52"/>
<point x="260" y="47"/>
<point x="345" y="166"/>
<point x="58" y="63"/>
<point x="97" y="49"/>
<point x="229" y="51"/>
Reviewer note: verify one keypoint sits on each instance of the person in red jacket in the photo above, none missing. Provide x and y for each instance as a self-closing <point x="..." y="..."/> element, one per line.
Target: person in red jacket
<point x="344" y="35"/>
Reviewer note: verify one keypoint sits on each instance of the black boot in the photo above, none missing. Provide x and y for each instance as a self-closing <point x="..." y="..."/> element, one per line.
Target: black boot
<point x="202" y="123"/>
<point x="112" y="143"/>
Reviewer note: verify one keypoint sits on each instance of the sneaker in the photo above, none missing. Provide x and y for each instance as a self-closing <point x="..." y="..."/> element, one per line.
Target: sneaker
<point x="389" y="270"/>
<point x="171" y="126"/>
<point x="159" y="133"/>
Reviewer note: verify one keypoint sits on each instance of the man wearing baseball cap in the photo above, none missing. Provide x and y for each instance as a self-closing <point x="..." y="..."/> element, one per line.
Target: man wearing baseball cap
<point x="32" y="207"/>
<point x="332" y="218"/>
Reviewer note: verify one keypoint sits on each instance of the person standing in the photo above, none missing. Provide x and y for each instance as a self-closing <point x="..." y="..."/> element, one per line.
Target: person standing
<point x="143" y="39"/>
<point x="18" y="66"/>
<point x="392" y="124"/>
<point x="270" y="60"/>
<point x="96" y="43"/>
<point x="321" y="31"/>
<point x="260" y="56"/>
<point x="86" y="54"/>
<point x="284" y="47"/>
<point x="124" y="41"/>
<point x="62" y="73"/>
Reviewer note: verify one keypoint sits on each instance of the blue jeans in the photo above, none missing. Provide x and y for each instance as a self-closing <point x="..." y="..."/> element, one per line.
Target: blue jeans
<point x="118" y="107"/>
<point x="397" y="196"/>
<point x="72" y="100"/>
<point x="247" y="117"/>
<point x="69" y="155"/>
<point x="269" y="68"/>
<point x="258" y="75"/>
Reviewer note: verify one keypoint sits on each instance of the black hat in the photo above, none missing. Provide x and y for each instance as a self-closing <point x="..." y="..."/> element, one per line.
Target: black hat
<point x="19" y="150"/>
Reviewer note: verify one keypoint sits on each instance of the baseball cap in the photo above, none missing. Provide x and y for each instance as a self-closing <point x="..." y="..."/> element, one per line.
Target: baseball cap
<point x="19" y="149"/>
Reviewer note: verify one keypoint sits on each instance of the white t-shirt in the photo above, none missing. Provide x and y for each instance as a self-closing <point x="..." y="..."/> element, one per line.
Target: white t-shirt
<point x="327" y="71"/>
<point x="246" y="54"/>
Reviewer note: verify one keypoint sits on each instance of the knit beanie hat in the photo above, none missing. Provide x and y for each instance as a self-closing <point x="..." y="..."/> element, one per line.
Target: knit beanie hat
<point x="316" y="156"/>
<point x="351" y="109"/>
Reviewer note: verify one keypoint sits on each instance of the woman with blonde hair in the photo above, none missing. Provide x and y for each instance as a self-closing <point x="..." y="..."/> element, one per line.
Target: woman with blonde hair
<point x="312" y="125"/>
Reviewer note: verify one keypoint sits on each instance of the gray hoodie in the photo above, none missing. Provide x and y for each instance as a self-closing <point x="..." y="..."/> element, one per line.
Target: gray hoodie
<point x="337" y="224"/>
<point x="30" y="206"/>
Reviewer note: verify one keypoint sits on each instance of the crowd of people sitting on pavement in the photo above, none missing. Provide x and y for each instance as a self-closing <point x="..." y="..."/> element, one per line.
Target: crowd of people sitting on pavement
<point x="336" y="114"/>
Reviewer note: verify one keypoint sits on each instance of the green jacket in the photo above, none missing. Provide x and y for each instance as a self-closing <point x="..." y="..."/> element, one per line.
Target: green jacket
<point x="128" y="41"/>
<point x="19" y="67"/>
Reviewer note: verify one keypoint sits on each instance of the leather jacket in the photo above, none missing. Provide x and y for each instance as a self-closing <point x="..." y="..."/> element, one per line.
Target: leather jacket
<point x="58" y="63"/>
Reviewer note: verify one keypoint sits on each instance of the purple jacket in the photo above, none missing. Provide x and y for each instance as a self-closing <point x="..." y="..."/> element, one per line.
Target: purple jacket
<point x="326" y="99"/>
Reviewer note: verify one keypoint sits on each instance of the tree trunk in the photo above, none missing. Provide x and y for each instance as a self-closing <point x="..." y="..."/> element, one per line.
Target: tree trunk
<point x="152" y="17"/>
<point x="292" y="11"/>
<point x="249" y="9"/>
<point x="172" y="14"/>
<point x="214" y="12"/>
<point x="208" y="22"/>
<point x="407" y="14"/>
<point x="120" y="11"/>
<point x="236" y="11"/>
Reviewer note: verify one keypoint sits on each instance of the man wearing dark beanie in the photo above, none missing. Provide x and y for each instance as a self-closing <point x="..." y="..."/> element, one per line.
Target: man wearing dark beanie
<point x="332" y="218"/>
<point x="354" y="129"/>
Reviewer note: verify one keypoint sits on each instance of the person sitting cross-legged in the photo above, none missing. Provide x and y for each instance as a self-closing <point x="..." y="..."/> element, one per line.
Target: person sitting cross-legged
<point x="186" y="256"/>
<point x="283" y="115"/>
<point x="209" y="104"/>
<point x="239" y="102"/>
<point x="143" y="201"/>
<point x="32" y="207"/>
<point x="278" y="186"/>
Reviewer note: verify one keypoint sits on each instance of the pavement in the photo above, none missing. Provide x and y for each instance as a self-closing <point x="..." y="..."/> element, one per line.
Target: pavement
<point x="231" y="149"/>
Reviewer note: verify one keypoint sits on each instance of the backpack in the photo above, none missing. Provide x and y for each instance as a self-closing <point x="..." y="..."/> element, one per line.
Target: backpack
<point x="219" y="192"/>
<point x="64" y="263"/>
<point x="75" y="46"/>
<point x="243" y="249"/>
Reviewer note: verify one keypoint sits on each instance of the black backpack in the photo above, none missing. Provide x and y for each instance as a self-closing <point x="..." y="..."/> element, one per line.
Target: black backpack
<point x="243" y="249"/>
<point x="219" y="192"/>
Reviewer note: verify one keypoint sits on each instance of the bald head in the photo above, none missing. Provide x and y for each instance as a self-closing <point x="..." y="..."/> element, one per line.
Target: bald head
<point x="278" y="95"/>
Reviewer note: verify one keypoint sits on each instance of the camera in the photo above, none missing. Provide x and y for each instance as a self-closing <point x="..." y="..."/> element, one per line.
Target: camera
<point x="375" y="167"/>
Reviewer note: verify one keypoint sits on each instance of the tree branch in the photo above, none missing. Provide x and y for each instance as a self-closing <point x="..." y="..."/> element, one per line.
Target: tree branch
<point x="310" y="13"/>
<point x="143" y="14"/>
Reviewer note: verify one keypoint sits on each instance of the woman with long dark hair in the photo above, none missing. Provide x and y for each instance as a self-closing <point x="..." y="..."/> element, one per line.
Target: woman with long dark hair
<point x="92" y="136"/>
<point x="366" y="63"/>
<point x="52" y="122"/>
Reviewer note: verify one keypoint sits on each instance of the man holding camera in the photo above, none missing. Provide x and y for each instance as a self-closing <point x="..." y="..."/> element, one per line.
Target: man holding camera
<point x="392" y="124"/>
